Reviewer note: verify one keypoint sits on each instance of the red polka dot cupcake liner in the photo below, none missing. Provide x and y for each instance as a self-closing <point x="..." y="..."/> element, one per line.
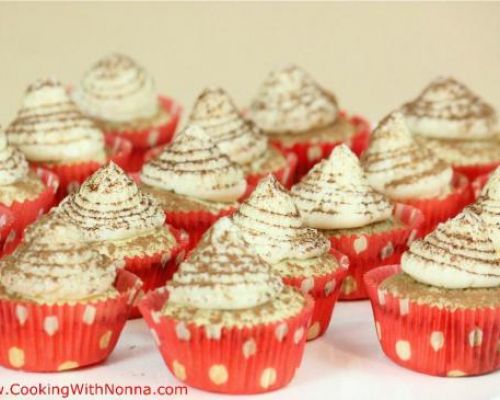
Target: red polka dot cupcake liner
<point x="441" y="209"/>
<point x="478" y="184"/>
<point x="6" y="223"/>
<point x="71" y="176"/>
<point x="430" y="339"/>
<point x="368" y="251"/>
<point x="325" y="290"/>
<point x="309" y="154"/>
<point x="144" y="140"/>
<point x="27" y="212"/>
<point x="235" y="360"/>
<point x="474" y="171"/>
<point x="155" y="270"/>
<point x="58" y="337"/>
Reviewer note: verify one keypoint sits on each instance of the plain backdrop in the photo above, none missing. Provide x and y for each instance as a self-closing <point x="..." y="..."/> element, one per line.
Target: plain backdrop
<point x="373" y="56"/>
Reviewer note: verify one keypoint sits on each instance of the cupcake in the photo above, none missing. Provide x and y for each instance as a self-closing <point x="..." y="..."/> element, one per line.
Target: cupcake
<point x="194" y="182"/>
<point x="273" y="227"/>
<point x="62" y="304"/>
<point x="488" y="206"/>
<point x="240" y="139"/>
<point x="25" y="193"/>
<point x="336" y="198"/>
<point x="226" y="323"/>
<point x="406" y="172"/>
<point x="121" y="97"/>
<point x="53" y="134"/>
<point x="126" y="225"/>
<point x="457" y="125"/>
<point x="301" y="117"/>
<point x="441" y="314"/>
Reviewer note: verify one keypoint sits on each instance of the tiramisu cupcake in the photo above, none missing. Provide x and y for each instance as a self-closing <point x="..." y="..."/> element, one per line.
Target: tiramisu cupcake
<point x="121" y="96"/>
<point x="457" y="125"/>
<point x="62" y="304"/>
<point x="194" y="182"/>
<point x="273" y="228"/>
<point x="125" y="225"/>
<point x="440" y="316"/>
<point x="52" y="133"/>
<point x="301" y="117"/>
<point x="226" y="323"/>
<point x="336" y="198"/>
<point x="407" y="172"/>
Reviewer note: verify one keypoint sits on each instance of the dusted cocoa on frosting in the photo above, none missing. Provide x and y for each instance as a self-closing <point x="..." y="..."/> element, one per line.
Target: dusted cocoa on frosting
<point x="458" y="254"/>
<point x="399" y="167"/>
<point x="110" y="206"/>
<point x="488" y="206"/>
<point x="13" y="164"/>
<point x="450" y="110"/>
<point x="335" y="194"/>
<point x="49" y="127"/>
<point x="271" y="223"/>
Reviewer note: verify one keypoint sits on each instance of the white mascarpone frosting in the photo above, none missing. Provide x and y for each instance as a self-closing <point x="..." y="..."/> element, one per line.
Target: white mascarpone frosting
<point x="290" y="101"/>
<point x="459" y="254"/>
<point x="448" y="109"/>
<point x="235" y="136"/>
<point x="49" y="127"/>
<point x="117" y="89"/>
<point x="399" y="167"/>
<point x="54" y="265"/>
<point x="192" y="165"/>
<point x="223" y="274"/>
<point x="488" y="206"/>
<point x="335" y="194"/>
<point x="13" y="164"/>
<point x="271" y="223"/>
<point x="110" y="206"/>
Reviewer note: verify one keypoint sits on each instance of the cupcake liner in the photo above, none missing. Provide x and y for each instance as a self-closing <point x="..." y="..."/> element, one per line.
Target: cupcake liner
<point x="368" y="251"/>
<point x="143" y="140"/>
<point x="478" y="184"/>
<point x="433" y="340"/>
<point x="438" y="210"/>
<point x="155" y="270"/>
<point x="71" y="176"/>
<point x="308" y="154"/>
<point x="49" y="338"/>
<point x="325" y="290"/>
<point x="228" y="360"/>
<point x="28" y="211"/>
<point x="6" y="223"/>
<point x="474" y="171"/>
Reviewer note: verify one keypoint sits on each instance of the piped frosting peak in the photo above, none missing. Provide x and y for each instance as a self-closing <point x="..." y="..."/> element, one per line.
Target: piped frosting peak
<point x="488" y="206"/>
<point x="13" y="164"/>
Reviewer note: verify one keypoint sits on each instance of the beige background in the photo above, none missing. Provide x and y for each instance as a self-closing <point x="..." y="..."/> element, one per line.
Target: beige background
<point x="372" y="55"/>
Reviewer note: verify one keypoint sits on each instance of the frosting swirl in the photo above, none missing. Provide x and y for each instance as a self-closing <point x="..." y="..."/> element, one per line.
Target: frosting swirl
<point x="50" y="127"/>
<point x="54" y="265"/>
<point x="290" y="101"/>
<point x="110" y="206"/>
<point x="271" y="222"/>
<point x="117" y="89"/>
<point x="13" y="164"/>
<point x="192" y="165"/>
<point x="235" y="136"/>
<point x="222" y="273"/>
<point x="488" y="206"/>
<point x="448" y="109"/>
<point x="458" y="254"/>
<point x="335" y="194"/>
<point x="397" y="166"/>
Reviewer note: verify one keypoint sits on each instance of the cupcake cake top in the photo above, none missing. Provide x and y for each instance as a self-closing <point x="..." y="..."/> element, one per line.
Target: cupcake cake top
<point x="335" y="194"/>
<point x="459" y="254"/>
<point x="50" y="127"/>
<point x="192" y="165"/>
<point x="448" y="109"/>
<point x="271" y="223"/>
<point x="54" y="265"/>
<point x="222" y="273"/>
<point x="110" y="206"/>
<point x="13" y="164"/>
<point x="117" y="89"/>
<point x="488" y="206"/>
<point x="397" y="166"/>
<point x="235" y="136"/>
<point x="290" y="101"/>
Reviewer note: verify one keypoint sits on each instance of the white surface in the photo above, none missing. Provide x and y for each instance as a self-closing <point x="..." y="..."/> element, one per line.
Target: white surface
<point x="346" y="363"/>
